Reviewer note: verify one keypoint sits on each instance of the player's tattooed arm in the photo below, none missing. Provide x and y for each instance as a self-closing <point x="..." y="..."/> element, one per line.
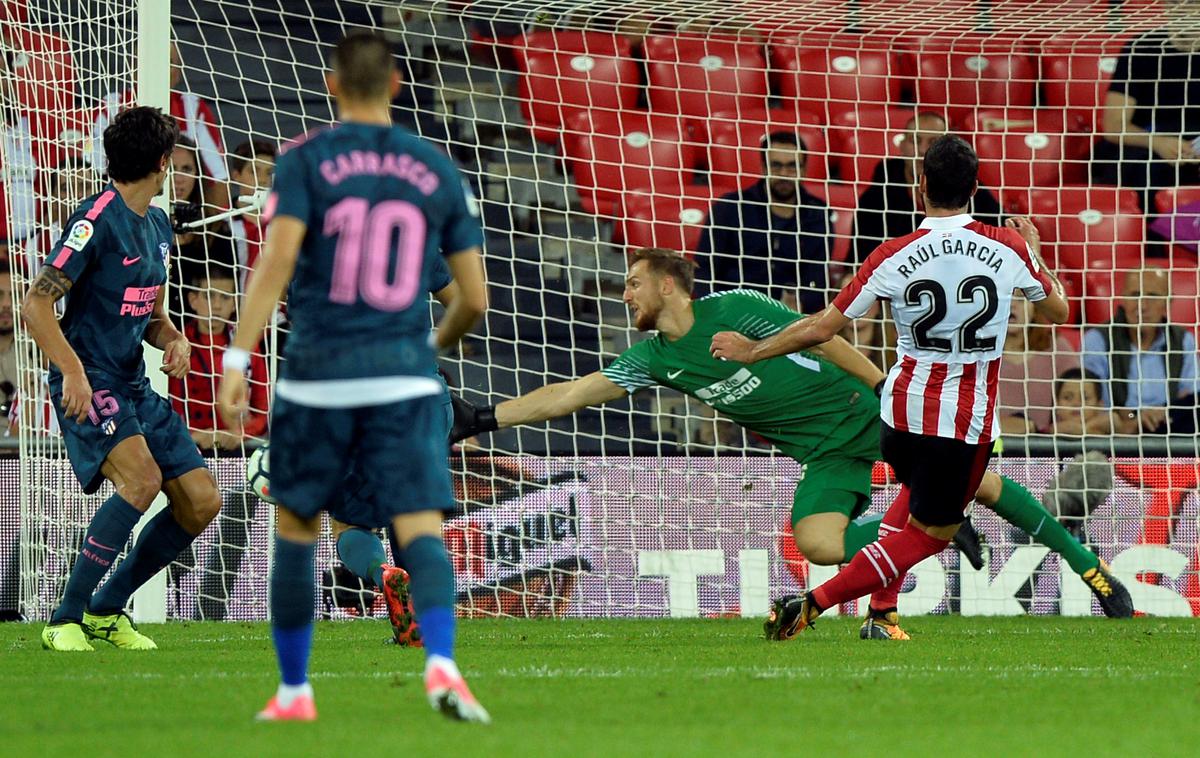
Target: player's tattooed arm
<point x="42" y="323"/>
<point x="51" y="283"/>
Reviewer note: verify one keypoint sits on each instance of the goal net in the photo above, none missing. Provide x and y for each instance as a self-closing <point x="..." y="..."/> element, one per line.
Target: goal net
<point x="775" y="143"/>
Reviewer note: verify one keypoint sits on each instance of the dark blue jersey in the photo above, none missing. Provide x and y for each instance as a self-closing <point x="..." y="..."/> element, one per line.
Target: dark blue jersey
<point x="117" y="262"/>
<point x="380" y="206"/>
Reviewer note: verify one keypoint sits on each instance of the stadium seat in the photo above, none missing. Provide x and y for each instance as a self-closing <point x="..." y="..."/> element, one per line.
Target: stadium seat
<point x="862" y="138"/>
<point x="43" y="70"/>
<point x="965" y="74"/>
<point x="674" y="222"/>
<point x="1023" y="148"/>
<point x="843" y="202"/>
<point x="566" y="73"/>
<point x="1185" y="297"/>
<point x="695" y="76"/>
<point x="611" y="154"/>
<point x="1075" y="77"/>
<point x="1088" y="228"/>
<point x="1100" y="295"/>
<point x="1167" y="200"/>
<point x="735" y="147"/>
<point x="829" y="79"/>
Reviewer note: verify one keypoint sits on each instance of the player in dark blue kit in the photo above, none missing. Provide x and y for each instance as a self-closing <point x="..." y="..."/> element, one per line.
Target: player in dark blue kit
<point x="111" y="265"/>
<point x="359" y="214"/>
<point x="359" y="548"/>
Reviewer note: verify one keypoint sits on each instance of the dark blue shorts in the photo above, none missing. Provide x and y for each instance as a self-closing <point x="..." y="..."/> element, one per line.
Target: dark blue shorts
<point x="397" y="451"/>
<point x="357" y="493"/>
<point x="119" y="413"/>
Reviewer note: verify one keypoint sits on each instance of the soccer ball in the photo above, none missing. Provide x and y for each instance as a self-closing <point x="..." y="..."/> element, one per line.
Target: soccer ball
<point x="258" y="474"/>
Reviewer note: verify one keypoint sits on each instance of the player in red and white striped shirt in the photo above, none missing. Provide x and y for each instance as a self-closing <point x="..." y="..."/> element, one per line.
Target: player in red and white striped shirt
<point x="950" y="284"/>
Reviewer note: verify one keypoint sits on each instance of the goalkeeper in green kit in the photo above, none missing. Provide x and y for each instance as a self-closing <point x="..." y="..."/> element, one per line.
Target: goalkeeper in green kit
<point x="817" y="407"/>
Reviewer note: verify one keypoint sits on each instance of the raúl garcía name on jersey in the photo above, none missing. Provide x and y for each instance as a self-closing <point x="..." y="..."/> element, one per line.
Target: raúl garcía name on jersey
<point x="925" y="253"/>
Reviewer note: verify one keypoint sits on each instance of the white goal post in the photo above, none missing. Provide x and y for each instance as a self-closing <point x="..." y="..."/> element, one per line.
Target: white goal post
<point x="588" y="130"/>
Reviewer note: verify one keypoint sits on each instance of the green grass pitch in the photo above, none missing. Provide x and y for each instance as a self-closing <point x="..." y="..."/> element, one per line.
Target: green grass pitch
<point x="969" y="686"/>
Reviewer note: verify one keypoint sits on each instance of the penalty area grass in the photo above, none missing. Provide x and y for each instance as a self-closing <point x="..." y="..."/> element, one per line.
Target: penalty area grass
<point x="989" y="686"/>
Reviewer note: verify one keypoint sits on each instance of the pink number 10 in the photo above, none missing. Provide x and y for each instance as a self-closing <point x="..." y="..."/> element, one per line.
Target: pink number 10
<point x="364" y="252"/>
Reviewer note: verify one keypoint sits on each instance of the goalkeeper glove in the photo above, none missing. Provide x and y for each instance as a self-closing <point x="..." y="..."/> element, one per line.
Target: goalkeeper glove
<point x="469" y="420"/>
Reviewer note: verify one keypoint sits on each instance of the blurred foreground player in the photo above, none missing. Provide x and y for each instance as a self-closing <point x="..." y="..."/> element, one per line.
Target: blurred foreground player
<point x="817" y="407"/>
<point x="359" y="213"/>
<point x="950" y="284"/>
<point x="111" y="265"/>
<point x="359" y="548"/>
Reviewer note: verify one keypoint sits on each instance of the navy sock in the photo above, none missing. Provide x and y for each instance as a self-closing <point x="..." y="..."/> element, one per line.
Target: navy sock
<point x="397" y="551"/>
<point x="159" y="543"/>
<point x="293" y="584"/>
<point x="432" y="586"/>
<point x="363" y="554"/>
<point x="104" y="539"/>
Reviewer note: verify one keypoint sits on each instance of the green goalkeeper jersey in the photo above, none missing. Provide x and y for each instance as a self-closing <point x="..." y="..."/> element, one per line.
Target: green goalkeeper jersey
<point x="804" y="404"/>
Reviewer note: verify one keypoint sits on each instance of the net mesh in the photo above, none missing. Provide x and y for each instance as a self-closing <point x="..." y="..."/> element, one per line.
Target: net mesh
<point x="774" y="142"/>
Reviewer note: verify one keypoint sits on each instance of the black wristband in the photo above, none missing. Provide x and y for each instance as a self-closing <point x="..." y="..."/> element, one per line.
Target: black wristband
<point x="485" y="419"/>
<point x="879" y="387"/>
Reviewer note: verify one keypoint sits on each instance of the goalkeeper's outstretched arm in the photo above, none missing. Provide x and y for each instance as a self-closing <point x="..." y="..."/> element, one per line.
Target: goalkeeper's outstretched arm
<point x="551" y="401"/>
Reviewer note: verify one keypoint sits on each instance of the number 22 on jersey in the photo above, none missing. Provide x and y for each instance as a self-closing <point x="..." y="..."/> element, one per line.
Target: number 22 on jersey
<point x="368" y="239"/>
<point x="932" y="291"/>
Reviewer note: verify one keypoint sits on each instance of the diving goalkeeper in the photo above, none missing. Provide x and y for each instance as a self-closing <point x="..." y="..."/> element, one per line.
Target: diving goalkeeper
<point x="817" y="407"/>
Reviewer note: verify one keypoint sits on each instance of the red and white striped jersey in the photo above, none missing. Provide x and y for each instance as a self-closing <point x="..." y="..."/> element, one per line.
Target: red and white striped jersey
<point x="950" y="285"/>
<point x="197" y="122"/>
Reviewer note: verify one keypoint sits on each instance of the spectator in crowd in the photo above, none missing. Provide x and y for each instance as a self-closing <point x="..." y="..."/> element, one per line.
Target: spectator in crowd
<point x="1151" y="116"/>
<point x="197" y="122"/>
<point x="195" y="249"/>
<point x="251" y="168"/>
<point x="1078" y="406"/>
<point x="1146" y="366"/>
<point x="9" y="380"/>
<point x="890" y="207"/>
<point x="19" y="195"/>
<point x="1033" y="356"/>
<point x="212" y="298"/>
<point x="67" y="184"/>
<point x="772" y="236"/>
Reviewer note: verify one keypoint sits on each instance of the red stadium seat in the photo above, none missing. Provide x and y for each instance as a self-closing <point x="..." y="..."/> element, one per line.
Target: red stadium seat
<point x="1022" y="148"/>
<point x="1100" y="295"/>
<point x="1075" y="77"/>
<point x="735" y="147"/>
<point x="567" y="73"/>
<point x="611" y="155"/>
<point x="843" y="202"/>
<point x="1167" y="200"/>
<point x="43" y="70"/>
<point x="1089" y="228"/>
<point x="674" y="222"/>
<point x="965" y="74"/>
<point x="847" y="72"/>
<point x="860" y="139"/>
<point x="696" y="76"/>
<point x="1185" y="297"/>
<point x="1072" y="282"/>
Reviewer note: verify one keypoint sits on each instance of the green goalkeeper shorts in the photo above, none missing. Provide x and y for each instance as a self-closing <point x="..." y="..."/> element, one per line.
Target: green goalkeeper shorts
<point x="833" y="485"/>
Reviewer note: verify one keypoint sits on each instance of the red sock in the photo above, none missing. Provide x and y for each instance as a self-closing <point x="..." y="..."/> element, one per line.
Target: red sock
<point x="893" y="522"/>
<point x="879" y="564"/>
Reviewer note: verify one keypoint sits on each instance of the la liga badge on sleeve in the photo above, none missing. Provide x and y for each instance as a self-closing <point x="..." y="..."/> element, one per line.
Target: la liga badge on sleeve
<point x="79" y="235"/>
